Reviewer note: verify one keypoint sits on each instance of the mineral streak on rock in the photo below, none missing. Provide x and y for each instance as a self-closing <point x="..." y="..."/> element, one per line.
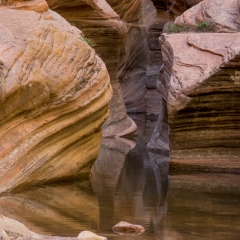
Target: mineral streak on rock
<point x="55" y="94"/>
<point x="103" y="26"/>
<point x="202" y="78"/>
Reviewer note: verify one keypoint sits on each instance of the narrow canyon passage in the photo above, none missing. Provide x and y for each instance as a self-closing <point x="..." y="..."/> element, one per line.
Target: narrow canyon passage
<point x="130" y="184"/>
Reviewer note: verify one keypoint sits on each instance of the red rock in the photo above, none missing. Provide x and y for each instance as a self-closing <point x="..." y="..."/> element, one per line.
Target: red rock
<point x="128" y="228"/>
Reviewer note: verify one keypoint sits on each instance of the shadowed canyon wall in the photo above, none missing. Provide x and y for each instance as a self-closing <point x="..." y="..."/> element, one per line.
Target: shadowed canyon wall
<point x="103" y="26"/>
<point x="55" y="94"/>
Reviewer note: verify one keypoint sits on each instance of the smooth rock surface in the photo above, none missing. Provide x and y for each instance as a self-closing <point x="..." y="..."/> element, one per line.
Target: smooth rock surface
<point x="87" y="235"/>
<point x="55" y="94"/>
<point x="223" y="16"/>
<point x="3" y="235"/>
<point x="202" y="79"/>
<point x="12" y="225"/>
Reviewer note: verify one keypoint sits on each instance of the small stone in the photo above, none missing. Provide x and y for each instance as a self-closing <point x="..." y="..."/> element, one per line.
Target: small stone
<point x="128" y="228"/>
<point x="3" y="235"/>
<point x="87" y="235"/>
<point x="19" y="238"/>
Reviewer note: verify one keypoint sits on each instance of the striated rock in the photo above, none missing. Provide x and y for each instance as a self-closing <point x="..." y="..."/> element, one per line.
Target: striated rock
<point x="128" y="228"/>
<point x="134" y="58"/>
<point x="175" y="7"/>
<point x="223" y="15"/>
<point x="87" y="235"/>
<point x="102" y="25"/>
<point x="55" y="94"/>
<point x="128" y="10"/>
<point x="203" y="83"/>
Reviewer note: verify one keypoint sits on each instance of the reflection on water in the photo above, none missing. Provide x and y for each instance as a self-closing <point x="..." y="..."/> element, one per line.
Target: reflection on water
<point x="130" y="184"/>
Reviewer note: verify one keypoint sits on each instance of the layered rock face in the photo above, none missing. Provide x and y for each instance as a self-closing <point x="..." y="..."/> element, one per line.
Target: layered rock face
<point x="55" y="94"/>
<point x="153" y="98"/>
<point x="134" y="58"/>
<point x="202" y="77"/>
<point x="199" y="83"/>
<point x="102" y="25"/>
<point x="224" y="16"/>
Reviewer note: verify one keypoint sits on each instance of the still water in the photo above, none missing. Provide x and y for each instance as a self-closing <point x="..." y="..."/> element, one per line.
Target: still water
<point x="130" y="184"/>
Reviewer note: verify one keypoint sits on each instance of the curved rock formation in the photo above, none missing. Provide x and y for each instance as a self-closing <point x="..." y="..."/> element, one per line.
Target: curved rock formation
<point x="102" y="25"/>
<point x="55" y="94"/>
<point x="202" y="78"/>
<point x="134" y="58"/>
<point x="223" y="16"/>
<point x="176" y="7"/>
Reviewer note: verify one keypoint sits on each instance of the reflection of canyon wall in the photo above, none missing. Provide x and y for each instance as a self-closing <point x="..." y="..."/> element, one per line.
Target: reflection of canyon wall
<point x="135" y="190"/>
<point x="54" y="210"/>
<point x="55" y="94"/>
<point x="128" y="182"/>
<point x="103" y="26"/>
<point x="203" y="206"/>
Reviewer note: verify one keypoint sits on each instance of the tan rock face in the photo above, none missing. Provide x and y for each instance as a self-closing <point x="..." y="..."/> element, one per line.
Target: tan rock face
<point x="102" y="25"/>
<point x="222" y="15"/>
<point x="202" y="78"/>
<point x="55" y="94"/>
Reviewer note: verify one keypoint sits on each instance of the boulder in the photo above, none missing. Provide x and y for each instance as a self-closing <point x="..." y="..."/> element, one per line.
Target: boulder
<point x="107" y="32"/>
<point x="201" y="76"/>
<point x="221" y="15"/>
<point x="55" y="94"/>
<point x="128" y="228"/>
<point x="3" y="235"/>
<point x="14" y="226"/>
<point x="87" y="235"/>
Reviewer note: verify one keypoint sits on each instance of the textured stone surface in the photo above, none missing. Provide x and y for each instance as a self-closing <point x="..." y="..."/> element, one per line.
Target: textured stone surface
<point x="55" y="94"/>
<point x="128" y="228"/>
<point x="153" y="98"/>
<point x="134" y="59"/>
<point x="223" y="15"/>
<point x="202" y="78"/>
<point x="103" y="26"/>
<point x="177" y="7"/>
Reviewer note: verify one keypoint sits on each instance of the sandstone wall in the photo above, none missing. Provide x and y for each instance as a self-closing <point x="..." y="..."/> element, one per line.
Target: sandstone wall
<point x="55" y="94"/>
<point x="202" y="79"/>
<point x="103" y="26"/>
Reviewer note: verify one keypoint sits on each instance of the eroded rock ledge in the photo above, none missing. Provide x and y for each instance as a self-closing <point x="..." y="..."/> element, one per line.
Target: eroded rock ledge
<point x="203" y="81"/>
<point x="55" y="94"/>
